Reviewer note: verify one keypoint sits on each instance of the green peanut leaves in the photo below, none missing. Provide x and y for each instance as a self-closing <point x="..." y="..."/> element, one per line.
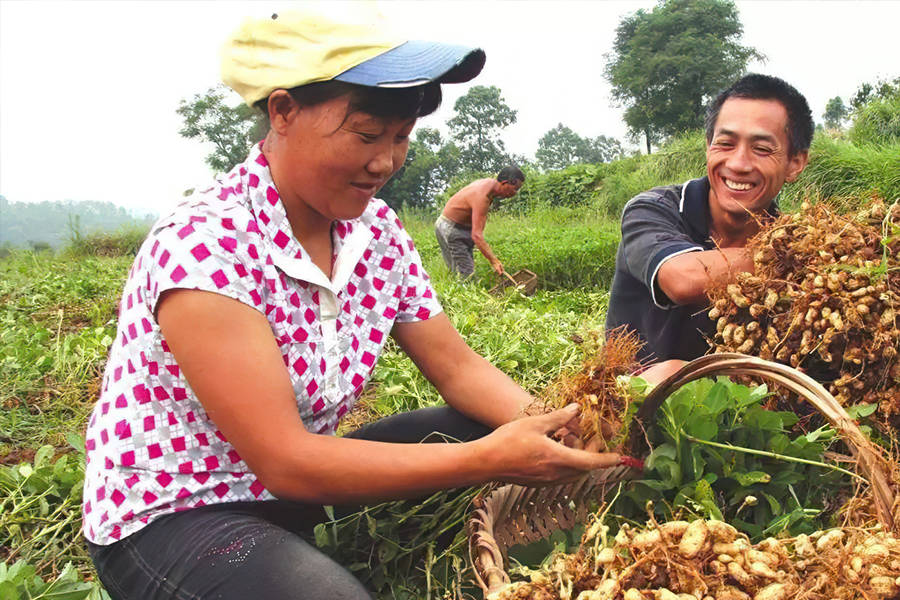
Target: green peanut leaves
<point x="718" y="453"/>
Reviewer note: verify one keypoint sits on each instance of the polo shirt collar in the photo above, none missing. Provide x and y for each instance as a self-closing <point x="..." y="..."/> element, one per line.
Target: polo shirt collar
<point x="349" y="238"/>
<point x="694" y="207"/>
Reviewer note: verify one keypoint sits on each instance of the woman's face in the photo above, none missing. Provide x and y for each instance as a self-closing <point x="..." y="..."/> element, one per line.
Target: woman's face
<point x="333" y="164"/>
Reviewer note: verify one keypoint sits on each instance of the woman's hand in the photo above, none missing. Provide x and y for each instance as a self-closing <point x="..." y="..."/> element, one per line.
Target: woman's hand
<point x="523" y="452"/>
<point x="571" y="433"/>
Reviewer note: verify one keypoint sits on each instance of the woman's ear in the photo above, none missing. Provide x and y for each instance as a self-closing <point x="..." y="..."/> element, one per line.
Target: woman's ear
<point x="282" y="109"/>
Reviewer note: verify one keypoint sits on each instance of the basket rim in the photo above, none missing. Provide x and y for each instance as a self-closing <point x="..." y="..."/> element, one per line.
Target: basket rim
<point x="487" y="555"/>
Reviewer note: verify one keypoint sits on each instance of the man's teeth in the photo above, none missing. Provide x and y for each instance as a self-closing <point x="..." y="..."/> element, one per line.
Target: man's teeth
<point x="738" y="186"/>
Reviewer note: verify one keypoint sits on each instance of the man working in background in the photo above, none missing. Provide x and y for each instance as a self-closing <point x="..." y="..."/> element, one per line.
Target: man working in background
<point x="677" y="239"/>
<point x="461" y="225"/>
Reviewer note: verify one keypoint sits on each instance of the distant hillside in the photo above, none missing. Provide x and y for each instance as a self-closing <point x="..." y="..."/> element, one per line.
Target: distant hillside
<point x="24" y="224"/>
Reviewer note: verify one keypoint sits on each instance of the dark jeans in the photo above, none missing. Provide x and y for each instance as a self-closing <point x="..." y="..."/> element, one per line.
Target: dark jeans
<point x="255" y="550"/>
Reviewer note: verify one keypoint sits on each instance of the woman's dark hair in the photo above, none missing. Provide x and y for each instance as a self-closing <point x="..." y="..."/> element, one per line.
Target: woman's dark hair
<point x="386" y="103"/>
<point x="765" y="87"/>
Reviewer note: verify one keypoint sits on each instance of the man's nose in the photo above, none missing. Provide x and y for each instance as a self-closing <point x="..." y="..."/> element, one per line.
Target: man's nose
<point x="739" y="160"/>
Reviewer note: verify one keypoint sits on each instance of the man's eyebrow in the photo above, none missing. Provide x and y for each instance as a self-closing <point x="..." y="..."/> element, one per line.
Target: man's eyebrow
<point x="759" y="136"/>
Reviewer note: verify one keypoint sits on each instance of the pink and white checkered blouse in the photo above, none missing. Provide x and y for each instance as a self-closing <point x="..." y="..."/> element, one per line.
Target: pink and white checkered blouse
<point x="151" y="448"/>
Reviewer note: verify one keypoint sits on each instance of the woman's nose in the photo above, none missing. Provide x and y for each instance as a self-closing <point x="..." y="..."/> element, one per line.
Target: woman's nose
<point x="382" y="163"/>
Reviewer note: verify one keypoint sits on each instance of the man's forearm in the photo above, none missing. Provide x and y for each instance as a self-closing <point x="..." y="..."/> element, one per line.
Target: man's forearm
<point x="685" y="278"/>
<point x="486" y="251"/>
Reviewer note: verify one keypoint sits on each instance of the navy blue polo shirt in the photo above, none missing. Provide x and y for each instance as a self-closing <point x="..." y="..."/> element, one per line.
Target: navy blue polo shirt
<point x="656" y="226"/>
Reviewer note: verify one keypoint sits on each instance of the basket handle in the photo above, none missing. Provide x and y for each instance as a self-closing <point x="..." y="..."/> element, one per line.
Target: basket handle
<point x="870" y="460"/>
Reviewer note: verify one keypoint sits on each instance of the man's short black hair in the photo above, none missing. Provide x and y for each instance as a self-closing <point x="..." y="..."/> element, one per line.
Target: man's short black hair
<point x="765" y="87"/>
<point x="511" y="173"/>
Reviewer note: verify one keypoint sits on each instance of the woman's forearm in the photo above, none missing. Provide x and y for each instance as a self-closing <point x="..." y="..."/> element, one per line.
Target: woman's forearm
<point x="319" y="469"/>
<point x="488" y="396"/>
<point x="329" y="470"/>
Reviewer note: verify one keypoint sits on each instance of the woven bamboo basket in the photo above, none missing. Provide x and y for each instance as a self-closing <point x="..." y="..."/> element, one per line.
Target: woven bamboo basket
<point x="523" y="280"/>
<point x="514" y="514"/>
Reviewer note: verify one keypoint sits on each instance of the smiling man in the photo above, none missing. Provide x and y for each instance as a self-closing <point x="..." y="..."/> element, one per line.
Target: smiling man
<point x="677" y="239"/>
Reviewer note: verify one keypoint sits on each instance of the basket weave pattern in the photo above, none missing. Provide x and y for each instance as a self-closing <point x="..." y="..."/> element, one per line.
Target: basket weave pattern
<point x="524" y="280"/>
<point x="514" y="514"/>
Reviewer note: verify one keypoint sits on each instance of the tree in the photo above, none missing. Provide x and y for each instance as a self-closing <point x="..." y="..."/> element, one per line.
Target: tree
<point x="668" y="63"/>
<point x="429" y="165"/>
<point x="880" y="90"/>
<point x="835" y="113"/>
<point x="26" y="223"/>
<point x="481" y="115"/>
<point x="231" y="130"/>
<point x="561" y="147"/>
<point x="602" y="149"/>
<point x="876" y="120"/>
<point x="862" y="96"/>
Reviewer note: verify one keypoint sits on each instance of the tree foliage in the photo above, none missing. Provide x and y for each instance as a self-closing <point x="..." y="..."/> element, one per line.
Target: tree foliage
<point x="429" y="165"/>
<point x="877" y="122"/>
<point x="667" y="64"/>
<point x="835" y="113"/>
<point x="481" y="115"/>
<point x="561" y="147"/>
<point x="231" y="130"/>
<point x="876" y="113"/>
<point x="880" y="90"/>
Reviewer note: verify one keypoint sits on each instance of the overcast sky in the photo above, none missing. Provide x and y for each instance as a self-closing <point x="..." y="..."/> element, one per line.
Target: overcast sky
<point x="88" y="90"/>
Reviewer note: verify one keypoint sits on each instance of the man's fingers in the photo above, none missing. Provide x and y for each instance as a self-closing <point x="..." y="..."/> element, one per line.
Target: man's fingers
<point x="568" y="436"/>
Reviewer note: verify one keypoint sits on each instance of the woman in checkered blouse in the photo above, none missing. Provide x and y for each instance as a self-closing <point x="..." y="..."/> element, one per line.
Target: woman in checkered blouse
<point x="253" y="317"/>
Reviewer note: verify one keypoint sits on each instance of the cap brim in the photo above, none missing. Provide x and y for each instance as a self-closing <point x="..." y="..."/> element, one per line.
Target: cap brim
<point x="416" y="63"/>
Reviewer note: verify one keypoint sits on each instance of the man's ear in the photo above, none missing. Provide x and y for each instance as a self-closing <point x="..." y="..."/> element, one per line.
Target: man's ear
<point x="282" y="109"/>
<point x="796" y="164"/>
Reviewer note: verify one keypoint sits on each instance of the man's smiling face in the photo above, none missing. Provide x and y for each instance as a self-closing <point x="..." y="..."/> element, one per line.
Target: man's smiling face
<point x="748" y="158"/>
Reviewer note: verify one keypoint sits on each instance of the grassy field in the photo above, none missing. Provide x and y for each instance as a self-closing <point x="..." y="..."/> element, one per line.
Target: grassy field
<point x="58" y="314"/>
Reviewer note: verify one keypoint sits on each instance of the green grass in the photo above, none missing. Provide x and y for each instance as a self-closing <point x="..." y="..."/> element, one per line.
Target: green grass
<point x="57" y="318"/>
<point x="125" y="241"/>
<point x="568" y="248"/>
<point x="846" y="174"/>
